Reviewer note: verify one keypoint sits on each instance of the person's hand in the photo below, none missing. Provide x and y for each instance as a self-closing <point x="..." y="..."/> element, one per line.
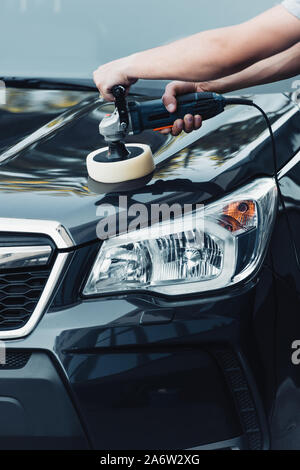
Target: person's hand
<point x="189" y="123"/>
<point x="113" y="73"/>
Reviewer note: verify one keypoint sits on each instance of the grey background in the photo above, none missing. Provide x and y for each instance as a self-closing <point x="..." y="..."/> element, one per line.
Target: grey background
<point x="70" y="38"/>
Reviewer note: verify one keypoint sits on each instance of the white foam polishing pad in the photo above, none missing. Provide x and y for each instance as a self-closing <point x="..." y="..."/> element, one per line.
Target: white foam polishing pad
<point x="132" y="168"/>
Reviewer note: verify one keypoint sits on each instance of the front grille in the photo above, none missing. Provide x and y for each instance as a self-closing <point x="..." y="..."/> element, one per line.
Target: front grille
<point x="19" y="294"/>
<point x="15" y="359"/>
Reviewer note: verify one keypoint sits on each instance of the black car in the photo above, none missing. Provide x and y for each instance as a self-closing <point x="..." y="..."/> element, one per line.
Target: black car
<point x="141" y="343"/>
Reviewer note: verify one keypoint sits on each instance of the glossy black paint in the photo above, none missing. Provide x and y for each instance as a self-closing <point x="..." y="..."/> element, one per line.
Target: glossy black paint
<point x="48" y="180"/>
<point x="141" y="370"/>
<point x="142" y="404"/>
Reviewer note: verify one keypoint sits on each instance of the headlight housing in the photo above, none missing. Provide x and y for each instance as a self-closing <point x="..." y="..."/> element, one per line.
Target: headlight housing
<point x="212" y="248"/>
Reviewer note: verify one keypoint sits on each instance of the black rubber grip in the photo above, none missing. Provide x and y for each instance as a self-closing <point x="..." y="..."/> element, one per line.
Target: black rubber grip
<point x="154" y="115"/>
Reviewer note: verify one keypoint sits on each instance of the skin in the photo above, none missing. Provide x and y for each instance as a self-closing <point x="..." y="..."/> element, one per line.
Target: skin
<point x="279" y="67"/>
<point x="204" y="58"/>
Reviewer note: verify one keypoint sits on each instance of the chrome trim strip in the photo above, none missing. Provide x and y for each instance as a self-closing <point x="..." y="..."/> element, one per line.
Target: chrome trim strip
<point x="54" y="230"/>
<point x="42" y="303"/>
<point x="63" y="240"/>
<point x="296" y="159"/>
<point x="23" y="256"/>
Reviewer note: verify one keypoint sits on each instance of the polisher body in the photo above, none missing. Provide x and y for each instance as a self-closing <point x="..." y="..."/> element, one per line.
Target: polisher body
<point x="118" y="162"/>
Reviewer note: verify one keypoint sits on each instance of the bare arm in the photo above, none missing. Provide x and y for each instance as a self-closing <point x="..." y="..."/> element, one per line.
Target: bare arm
<point x="279" y="67"/>
<point x="208" y="55"/>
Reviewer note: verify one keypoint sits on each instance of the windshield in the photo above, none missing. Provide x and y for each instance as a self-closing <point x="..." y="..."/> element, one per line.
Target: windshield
<point x="70" y="38"/>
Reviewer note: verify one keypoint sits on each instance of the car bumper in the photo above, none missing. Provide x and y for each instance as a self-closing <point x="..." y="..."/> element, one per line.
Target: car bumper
<point x="127" y="373"/>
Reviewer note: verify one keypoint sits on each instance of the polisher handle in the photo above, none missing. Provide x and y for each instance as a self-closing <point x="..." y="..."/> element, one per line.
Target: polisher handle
<point x="154" y="115"/>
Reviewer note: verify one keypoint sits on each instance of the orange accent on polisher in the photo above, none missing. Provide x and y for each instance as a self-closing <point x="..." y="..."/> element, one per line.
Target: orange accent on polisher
<point x="162" y="128"/>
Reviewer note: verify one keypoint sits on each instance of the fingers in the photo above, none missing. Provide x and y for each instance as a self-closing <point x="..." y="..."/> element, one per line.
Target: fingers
<point x="188" y="124"/>
<point x="103" y="89"/>
<point x="191" y="123"/>
<point x="177" y="127"/>
<point x="113" y="73"/>
<point x="166" y="131"/>
<point x="169" y="99"/>
<point x="197" y="121"/>
<point x="175" y="130"/>
<point x="174" y="89"/>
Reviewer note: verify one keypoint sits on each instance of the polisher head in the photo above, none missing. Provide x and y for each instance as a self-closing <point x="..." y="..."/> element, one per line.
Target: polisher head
<point x="138" y="163"/>
<point x="118" y="162"/>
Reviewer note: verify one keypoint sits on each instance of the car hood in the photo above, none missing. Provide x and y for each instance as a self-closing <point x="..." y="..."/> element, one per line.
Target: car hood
<point x="45" y="136"/>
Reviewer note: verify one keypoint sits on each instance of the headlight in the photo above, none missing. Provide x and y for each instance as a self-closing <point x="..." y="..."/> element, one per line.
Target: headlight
<point x="212" y="248"/>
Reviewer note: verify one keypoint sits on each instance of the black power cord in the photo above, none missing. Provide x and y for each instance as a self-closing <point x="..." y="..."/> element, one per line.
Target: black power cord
<point x="251" y="103"/>
<point x="246" y="102"/>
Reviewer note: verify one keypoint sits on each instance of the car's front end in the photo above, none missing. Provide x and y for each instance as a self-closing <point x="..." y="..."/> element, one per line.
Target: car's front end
<point x="161" y="338"/>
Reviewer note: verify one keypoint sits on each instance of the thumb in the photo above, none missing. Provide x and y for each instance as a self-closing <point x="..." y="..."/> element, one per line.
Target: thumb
<point x="169" y="101"/>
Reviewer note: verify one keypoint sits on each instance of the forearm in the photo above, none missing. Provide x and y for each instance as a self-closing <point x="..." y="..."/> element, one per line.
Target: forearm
<point x="217" y="53"/>
<point x="279" y="67"/>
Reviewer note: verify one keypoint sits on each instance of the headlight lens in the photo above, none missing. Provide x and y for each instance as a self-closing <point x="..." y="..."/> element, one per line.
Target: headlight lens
<point x="209" y="249"/>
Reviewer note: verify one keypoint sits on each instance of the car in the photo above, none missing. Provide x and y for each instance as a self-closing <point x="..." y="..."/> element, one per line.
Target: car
<point x="145" y="341"/>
